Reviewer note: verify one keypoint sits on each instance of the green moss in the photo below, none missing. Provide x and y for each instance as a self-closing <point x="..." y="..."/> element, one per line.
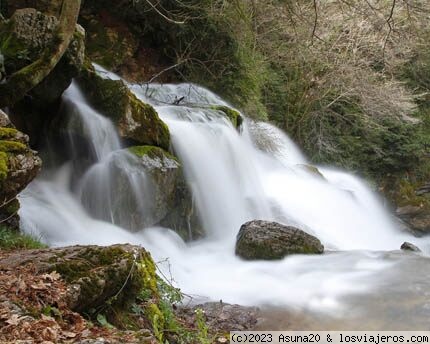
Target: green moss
<point x="234" y="116"/>
<point x="4" y="161"/>
<point x="147" y="270"/>
<point x="157" y="320"/>
<point x="12" y="147"/>
<point x="16" y="54"/>
<point x="151" y="151"/>
<point x="152" y="129"/>
<point x="7" y="147"/>
<point x="7" y="133"/>
<point x="74" y="269"/>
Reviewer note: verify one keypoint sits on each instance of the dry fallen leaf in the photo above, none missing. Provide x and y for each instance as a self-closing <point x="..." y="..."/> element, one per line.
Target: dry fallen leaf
<point x="69" y="334"/>
<point x="40" y="286"/>
<point x="13" y="320"/>
<point x="53" y="276"/>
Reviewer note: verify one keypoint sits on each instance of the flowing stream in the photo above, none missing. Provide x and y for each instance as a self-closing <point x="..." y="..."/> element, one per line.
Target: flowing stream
<point x="257" y="173"/>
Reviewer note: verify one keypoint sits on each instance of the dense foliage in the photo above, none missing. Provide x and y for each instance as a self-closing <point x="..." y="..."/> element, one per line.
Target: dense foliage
<point x="332" y="75"/>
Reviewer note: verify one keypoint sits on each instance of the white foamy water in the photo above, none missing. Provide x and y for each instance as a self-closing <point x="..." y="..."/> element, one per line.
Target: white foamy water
<point x="235" y="177"/>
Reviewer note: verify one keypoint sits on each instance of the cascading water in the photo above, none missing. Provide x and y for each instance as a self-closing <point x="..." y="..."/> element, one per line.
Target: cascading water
<point x="258" y="174"/>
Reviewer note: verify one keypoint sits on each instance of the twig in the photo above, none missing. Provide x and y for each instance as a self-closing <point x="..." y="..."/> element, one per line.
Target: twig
<point x="315" y="20"/>
<point x="163" y="15"/>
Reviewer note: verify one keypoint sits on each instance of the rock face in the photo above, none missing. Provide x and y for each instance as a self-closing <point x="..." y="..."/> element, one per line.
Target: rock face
<point x="136" y="121"/>
<point x="95" y="275"/>
<point x="271" y="240"/>
<point x="18" y="167"/>
<point x="25" y="36"/>
<point x="416" y="218"/>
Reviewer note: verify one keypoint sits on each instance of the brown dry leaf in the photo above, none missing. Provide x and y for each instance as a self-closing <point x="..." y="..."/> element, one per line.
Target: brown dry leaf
<point x="21" y="286"/>
<point x="47" y="318"/>
<point x="53" y="276"/>
<point x="40" y="286"/>
<point x="68" y="334"/>
<point x="14" y="320"/>
<point x="49" y="333"/>
<point x="85" y="333"/>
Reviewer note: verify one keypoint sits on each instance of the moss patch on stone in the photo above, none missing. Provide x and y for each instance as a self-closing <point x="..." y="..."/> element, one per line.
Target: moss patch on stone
<point x="233" y="115"/>
<point x="12" y="147"/>
<point x="151" y="151"/>
<point x="3" y="166"/>
<point x="7" y="133"/>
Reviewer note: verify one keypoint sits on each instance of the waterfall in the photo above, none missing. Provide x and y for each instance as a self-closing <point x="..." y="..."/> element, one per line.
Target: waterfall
<point x="256" y="172"/>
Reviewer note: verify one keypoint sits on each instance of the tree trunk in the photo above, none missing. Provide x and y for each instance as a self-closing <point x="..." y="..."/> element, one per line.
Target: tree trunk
<point x="24" y="80"/>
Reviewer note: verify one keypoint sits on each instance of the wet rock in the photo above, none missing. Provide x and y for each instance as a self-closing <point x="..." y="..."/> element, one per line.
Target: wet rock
<point x="270" y="240"/>
<point x="183" y="216"/>
<point x="223" y="317"/>
<point x="19" y="165"/>
<point x="416" y="219"/>
<point x="407" y="246"/>
<point x="233" y="115"/>
<point x="146" y="188"/>
<point x="95" y="275"/>
<point x="137" y="122"/>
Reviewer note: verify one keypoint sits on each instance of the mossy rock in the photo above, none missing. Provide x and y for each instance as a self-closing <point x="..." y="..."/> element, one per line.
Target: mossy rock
<point x="98" y="277"/>
<point x="18" y="167"/>
<point x="413" y="206"/>
<point x="151" y="152"/>
<point x="23" y="39"/>
<point x="174" y="196"/>
<point x="233" y="115"/>
<point x="271" y="240"/>
<point x="136" y="121"/>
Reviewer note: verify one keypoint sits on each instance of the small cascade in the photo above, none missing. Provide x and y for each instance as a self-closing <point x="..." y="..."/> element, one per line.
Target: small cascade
<point x="90" y="123"/>
<point x="256" y="172"/>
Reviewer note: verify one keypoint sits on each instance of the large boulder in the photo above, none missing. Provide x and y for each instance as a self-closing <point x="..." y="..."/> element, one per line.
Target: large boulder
<point x="172" y="203"/>
<point x="23" y="39"/>
<point x="139" y="187"/>
<point x="138" y="123"/>
<point x="270" y="240"/>
<point x="96" y="275"/>
<point x="19" y="165"/>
